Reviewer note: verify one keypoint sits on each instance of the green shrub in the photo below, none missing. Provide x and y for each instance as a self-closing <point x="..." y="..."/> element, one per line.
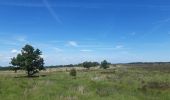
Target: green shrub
<point x="104" y="64"/>
<point x="73" y="72"/>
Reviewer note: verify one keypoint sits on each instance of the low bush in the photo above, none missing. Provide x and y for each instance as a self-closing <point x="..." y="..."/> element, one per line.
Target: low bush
<point x="73" y="72"/>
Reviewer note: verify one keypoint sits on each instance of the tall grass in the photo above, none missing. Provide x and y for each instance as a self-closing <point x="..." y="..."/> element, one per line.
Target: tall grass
<point x="114" y="84"/>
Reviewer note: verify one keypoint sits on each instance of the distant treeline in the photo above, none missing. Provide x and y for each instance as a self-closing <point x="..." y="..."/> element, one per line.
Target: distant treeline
<point x="57" y="66"/>
<point x="149" y="63"/>
<point x="98" y="64"/>
<point x="94" y="64"/>
<point x="5" y="68"/>
<point x="74" y="65"/>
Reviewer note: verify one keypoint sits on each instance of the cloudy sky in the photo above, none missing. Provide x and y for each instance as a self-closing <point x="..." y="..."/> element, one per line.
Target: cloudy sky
<point x="72" y="31"/>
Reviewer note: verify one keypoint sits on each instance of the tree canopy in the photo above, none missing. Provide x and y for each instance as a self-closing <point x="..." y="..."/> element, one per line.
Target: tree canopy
<point x="104" y="64"/>
<point x="29" y="59"/>
<point x="90" y="64"/>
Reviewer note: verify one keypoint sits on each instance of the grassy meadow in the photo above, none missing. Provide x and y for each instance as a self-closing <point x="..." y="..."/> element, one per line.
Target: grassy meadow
<point x="118" y="83"/>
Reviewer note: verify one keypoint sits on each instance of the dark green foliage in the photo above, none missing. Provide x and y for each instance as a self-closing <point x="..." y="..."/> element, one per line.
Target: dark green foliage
<point x="104" y="64"/>
<point x="73" y="72"/>
<point x="90" y="64"/>
<point x="86" y="65"/>
<point x="29" y="60"/>
<point x="15" y="69"/>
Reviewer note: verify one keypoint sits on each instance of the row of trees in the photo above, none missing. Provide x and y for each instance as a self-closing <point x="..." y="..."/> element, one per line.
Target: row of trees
<point x="90" y="64"/>
<point x="31" y="61"/>
<point x="86" y="64"/>
<point x="104" y="64"/>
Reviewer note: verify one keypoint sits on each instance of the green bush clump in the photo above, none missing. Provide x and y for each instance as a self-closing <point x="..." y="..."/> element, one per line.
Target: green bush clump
<point x="73" y="72"/>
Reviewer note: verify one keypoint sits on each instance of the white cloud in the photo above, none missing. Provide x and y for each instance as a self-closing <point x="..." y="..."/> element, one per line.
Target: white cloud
<point x="52" y="11"/>
<point x="5" y="59"/>
<point x="72" y="43"/>
<point x="8" y="42"/>
<point x="44" y="56"/>
<point x="119" y="47"/>
<point x="55" y="41"/>
<point x="14" y="51"/>
<point x="58" y="49"/>
<point x="106" y="48"/>
<point x="1" y="56"/>
<point x="52" y="4"/>
<point x="86" y="50"/>
<point x="21" y="38"/>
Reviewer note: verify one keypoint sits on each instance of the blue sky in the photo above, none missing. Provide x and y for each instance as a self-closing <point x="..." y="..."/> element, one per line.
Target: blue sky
<point x="73" y="31"/>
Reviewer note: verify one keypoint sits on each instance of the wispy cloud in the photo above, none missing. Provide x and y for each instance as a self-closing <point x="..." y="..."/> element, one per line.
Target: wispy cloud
<point x="162" y="21"/>
<point x="119" y="47"/>
<point x="56" y="41"/>
<point x="9" y="42"/>
<point x="5" y="57"/>
<point x="58" y="49"/>
<point x="15" y="51"/>
<point x="20" y="38"/>
<point x="61" y="5"/>
<point x="52" y="12"/>
<point x="22" y="4"/>
<point x="72" y="43"/>
<point x="158" y="25"/>
<point x="86" y="50"/>
<point x="83" y="5"/>
<point x="13" y="40"/>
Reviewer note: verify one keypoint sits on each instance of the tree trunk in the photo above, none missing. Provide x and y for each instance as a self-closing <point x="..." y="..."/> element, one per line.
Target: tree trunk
<point x="28" y="73"/>
<point x="31" y="73"/>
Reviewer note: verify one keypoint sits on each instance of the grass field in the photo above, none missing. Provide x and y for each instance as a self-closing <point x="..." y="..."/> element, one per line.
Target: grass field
<point x="121" y="83"/>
